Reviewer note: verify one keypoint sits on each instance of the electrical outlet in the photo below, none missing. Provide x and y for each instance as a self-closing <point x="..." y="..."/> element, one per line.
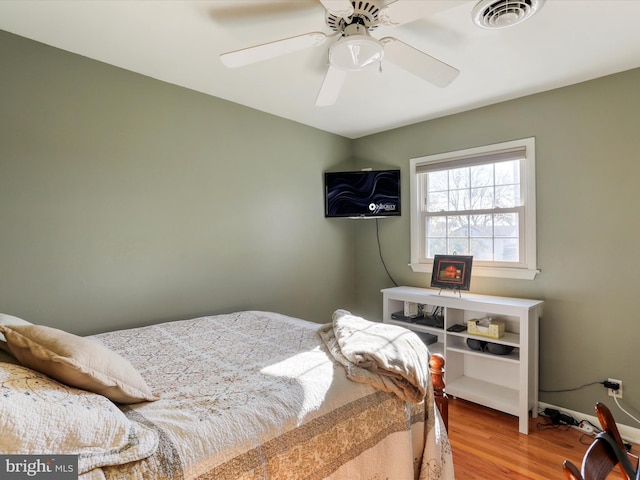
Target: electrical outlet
<point x="615" y="393"/>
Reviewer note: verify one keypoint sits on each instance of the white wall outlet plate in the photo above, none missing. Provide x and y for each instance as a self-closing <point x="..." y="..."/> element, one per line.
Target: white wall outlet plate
<point x="615" y="393"/>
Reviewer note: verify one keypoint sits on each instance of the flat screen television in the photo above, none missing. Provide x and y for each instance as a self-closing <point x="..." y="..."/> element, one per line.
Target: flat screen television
<point x="362" y="194"/>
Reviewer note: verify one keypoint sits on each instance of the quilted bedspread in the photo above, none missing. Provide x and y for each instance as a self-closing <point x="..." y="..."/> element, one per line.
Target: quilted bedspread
<point x="253" y="395"/>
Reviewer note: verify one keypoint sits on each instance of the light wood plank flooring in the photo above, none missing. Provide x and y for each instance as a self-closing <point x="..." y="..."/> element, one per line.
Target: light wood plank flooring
<point x="486" y="445"/>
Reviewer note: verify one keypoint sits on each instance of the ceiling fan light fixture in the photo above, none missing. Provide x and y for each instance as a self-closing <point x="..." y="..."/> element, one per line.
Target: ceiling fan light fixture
<point x="355" y="52"/>
<point x="495" y="14"/>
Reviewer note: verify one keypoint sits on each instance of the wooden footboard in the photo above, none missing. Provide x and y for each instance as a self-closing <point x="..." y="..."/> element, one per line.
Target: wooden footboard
<point x="436" y="368"/>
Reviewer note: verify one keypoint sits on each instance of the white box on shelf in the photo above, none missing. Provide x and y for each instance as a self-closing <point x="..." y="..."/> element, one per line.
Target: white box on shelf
<point x="411" y="309"/>
<point x="486" y="327"/>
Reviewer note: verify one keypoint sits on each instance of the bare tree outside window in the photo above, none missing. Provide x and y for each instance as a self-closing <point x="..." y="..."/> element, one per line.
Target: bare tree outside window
<point x="477" y="195"/>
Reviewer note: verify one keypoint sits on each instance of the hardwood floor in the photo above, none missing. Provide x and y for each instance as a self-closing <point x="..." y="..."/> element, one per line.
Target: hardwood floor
<point x="486" y="445"/>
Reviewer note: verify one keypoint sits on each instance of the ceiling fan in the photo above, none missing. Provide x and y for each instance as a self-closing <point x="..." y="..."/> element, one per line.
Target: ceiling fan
<point x="354" y="48"/>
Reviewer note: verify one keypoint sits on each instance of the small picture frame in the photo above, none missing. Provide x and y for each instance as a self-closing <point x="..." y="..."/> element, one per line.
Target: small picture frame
<point x="451" y="271"/>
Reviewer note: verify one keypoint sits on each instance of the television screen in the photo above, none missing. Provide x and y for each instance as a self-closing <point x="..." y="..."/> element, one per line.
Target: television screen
<point x="361" y="194"/>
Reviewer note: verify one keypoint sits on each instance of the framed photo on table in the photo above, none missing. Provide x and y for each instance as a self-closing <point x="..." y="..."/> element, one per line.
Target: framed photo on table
<point x="451" y="271"/>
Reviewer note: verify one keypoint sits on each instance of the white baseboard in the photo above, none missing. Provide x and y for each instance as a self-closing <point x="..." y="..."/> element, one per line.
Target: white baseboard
<point x="630" y="434"/>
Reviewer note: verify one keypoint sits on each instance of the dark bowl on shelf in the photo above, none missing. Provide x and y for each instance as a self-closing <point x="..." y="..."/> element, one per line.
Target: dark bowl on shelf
<point x="499" y="349"/>
<point x="474" y="344"/>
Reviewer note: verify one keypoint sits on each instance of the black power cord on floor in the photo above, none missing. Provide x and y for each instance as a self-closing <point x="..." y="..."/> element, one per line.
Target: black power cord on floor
<point x="558" y="418"/>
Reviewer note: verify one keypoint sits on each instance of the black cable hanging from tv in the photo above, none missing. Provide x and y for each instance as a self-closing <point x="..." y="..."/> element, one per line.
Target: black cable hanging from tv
<point x="380" y="253"/>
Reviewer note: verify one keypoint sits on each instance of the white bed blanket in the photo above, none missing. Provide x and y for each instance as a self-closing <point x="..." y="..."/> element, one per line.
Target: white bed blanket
<point x="387" y="357"/>
<point x="255" y="395"/>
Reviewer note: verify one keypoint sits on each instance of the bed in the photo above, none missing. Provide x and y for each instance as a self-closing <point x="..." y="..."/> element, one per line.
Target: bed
<point x="246" y="395"/>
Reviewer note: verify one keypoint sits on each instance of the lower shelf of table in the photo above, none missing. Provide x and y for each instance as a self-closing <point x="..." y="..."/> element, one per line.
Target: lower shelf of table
<point x="484" y="393"/>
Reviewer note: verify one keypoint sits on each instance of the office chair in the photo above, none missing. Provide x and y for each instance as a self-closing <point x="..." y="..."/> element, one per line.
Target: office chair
<point x="606" y="451"/>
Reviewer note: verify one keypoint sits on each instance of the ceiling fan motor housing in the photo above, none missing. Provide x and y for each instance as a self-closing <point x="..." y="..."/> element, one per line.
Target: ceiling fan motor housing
<point x="364" y="13"/>
<point x="356" y="49"/>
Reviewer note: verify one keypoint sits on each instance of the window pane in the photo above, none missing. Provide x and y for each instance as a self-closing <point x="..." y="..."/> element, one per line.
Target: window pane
<point x="506" y="225"/>
<point x="458" y="226"/>
<point x="482" y="249"/>
<point x="459" y="200"/>
<point x="481" y="226"/>
<point x="507" y="173"/>
<point x="458" y="246"/>
<point x="436" y="227"/>
<point x="507" y="250"/>
<point x="507" y="196"/>
<point x="459" y="178"/>
<point x="438" y="181"/>
<point x="482" y="198"/>
<point x="482" y="175"/>
<point x="437" y="202"/>
<point x="436" y="246"/>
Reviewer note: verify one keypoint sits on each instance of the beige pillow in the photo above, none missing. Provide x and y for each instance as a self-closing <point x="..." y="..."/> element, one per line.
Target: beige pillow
<point x="6" y="357"/>
<point x="77" y="361"/>
<point x="41" y="416"/>
<point x="6" y="319"/>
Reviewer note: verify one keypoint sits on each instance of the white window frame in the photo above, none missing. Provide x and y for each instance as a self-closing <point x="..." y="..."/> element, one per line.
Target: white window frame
<point x="527" y="270"/>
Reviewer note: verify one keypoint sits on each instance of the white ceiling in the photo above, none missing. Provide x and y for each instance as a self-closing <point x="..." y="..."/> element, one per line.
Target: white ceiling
<point x="566" y="42"/>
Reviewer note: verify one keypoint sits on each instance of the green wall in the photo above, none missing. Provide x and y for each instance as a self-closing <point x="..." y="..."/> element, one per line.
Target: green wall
<point x="126" y="201"/>
<point x="588" y="166"/>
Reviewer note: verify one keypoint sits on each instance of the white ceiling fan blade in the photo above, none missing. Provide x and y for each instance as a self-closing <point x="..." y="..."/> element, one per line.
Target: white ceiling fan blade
<point x="266" y="51"/>
<point x="340" y="8"/>
<point x="405" y="11"/>
<point x="331" y="87"/>
<point x="419" y="63"/>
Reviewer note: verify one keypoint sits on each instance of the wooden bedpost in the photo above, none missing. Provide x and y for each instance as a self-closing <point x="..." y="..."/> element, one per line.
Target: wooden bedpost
<point x="436" y="368"/>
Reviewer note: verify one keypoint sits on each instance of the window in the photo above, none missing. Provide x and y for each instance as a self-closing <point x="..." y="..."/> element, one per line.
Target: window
<point x="479" y="202"/>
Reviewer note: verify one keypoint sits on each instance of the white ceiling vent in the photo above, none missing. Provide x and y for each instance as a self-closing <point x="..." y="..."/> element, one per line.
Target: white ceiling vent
<point x="504" y="13"/>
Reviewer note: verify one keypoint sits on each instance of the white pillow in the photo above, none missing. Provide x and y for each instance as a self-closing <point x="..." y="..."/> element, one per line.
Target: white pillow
<point x="39" y="415"/>
<point x="77" y="361"/>
<point x="6" y="319"/>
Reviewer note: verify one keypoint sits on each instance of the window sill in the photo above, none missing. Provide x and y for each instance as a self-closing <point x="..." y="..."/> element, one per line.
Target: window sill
<point x="496" y="272"/>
